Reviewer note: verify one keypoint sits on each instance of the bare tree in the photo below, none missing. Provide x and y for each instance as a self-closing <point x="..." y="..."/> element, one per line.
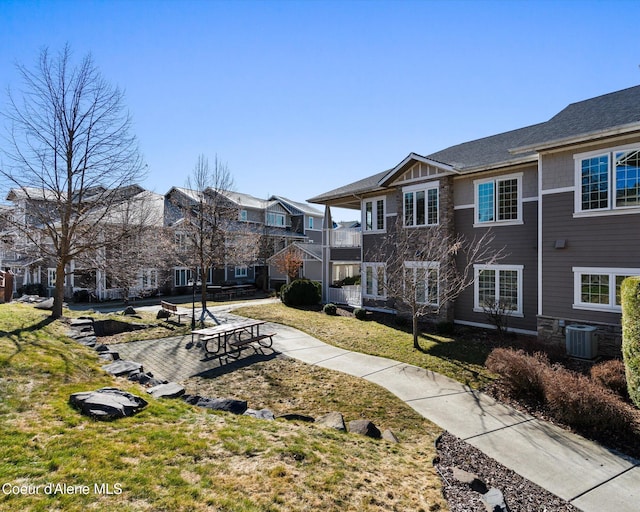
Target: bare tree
<point x="214" y="236"/>
<point x="428" y="268"/>
<point x="70" y="155"/>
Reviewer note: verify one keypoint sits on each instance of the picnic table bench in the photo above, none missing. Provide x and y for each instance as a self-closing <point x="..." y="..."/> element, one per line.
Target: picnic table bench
<point x="231" y="338"/>
<point x="174" y="309"/>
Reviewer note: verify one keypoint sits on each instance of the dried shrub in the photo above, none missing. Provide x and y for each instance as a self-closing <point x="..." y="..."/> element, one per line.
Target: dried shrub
<point x="523" y="374"/>
<point x="611" y="375"/>
<point x="576" y="400"/>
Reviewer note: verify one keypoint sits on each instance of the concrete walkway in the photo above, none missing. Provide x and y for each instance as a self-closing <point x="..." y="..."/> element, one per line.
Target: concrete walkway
<point x="582" y="472"/>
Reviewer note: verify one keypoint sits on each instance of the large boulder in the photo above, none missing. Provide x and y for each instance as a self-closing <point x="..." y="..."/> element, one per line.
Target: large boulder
<point x="364" y="428"/>
<point x="169" y="390"/>
<point x="223" y="404"/>
<point x="262" y="414"/>
<point x="332" y="420"/>
<point x="107" y="403"/>
<point x="122" y="367"/>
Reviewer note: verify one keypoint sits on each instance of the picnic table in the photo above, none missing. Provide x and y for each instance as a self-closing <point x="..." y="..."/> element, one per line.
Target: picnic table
<point x="231" y="291"/>
<point x="231" y="338"/>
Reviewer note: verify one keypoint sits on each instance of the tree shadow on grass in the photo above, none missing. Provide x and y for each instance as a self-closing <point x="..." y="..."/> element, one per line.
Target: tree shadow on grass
<point x="15" y="336"/>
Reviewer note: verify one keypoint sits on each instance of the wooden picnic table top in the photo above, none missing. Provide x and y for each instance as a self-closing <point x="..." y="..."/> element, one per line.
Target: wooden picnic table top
<point x="227" y="328"/>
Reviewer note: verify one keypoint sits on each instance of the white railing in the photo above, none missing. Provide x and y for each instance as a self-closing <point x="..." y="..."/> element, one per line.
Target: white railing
<point x="350" y="295"/>
<point x="345" y="238"/>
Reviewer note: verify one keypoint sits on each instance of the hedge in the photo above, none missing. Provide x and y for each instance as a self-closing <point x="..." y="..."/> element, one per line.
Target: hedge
<point x="631" y="336"/>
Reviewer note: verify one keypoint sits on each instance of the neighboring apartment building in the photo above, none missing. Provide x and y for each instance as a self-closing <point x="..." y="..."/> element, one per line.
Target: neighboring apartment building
<point x="562" y="197"/>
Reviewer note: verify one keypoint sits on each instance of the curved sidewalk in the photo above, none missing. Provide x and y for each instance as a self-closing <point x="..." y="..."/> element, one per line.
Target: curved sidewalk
<point x="582" y="472"/>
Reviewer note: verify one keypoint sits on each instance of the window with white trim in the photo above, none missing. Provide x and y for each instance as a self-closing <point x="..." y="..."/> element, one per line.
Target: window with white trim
<point x="276" y="219"/>
<point x="424" y="277"/>
<point x="498" y="200"/>
<point x="374" y="280"/>
<point x="310" y="222"/>
<point x="241" y="271"/>
<point x="598" y="289"/>
<point x="148" y="278"/>
<point x="182" y="276"/>
<point x="608" y="181"/>
<point x="374" y="213"/>
<point x="421" y="205"/>
<point x="244" y="215"/>
<point x="498" y="285"/>
<point x="51" y="277"/>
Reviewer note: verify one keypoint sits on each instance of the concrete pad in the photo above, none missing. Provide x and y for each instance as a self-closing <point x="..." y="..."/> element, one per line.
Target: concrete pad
<point x="621" y="494"/>
<point x="467" y="414"/>
<point x="409" y="382"/>
<point x="357" y="364"/>
<point x="561" y="462"/>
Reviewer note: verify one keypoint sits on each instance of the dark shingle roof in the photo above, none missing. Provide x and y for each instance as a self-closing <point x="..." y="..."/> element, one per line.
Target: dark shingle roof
<point x="591" y="116"/>
<point x="357" y="187"/>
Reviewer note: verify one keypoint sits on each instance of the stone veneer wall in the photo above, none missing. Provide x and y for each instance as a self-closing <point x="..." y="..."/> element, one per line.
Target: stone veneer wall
<point x="609" y="335"/>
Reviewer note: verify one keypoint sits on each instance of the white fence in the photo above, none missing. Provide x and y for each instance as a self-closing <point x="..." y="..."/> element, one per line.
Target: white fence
<point x="350" y="295"/>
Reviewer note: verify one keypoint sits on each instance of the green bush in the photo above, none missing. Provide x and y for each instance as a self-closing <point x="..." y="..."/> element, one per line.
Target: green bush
<point x="301" y="292"/>
<point x="631" y="336"/>
<point x="330" y="309"/>
<point x="360" y="313"/>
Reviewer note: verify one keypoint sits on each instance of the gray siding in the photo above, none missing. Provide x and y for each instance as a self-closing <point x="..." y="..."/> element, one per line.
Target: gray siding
<point x="345" y="254"/>
<point x="463" y="190"/>
<point x="520" y="243"/>
<point x="609" y="241"/>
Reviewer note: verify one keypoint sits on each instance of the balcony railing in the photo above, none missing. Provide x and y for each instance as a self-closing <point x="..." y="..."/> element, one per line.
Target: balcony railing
<point x="350" y="295"/>
<point x="345" y="238"/>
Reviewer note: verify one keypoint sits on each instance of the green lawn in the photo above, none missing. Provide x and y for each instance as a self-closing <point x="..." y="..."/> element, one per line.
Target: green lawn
<point x="460" y="357"/>
<point x="174" y="457"/>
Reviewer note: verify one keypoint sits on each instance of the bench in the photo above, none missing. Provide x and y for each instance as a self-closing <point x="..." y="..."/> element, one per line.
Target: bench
<point x="235" y="347"/>
<point x="173" y="309"/>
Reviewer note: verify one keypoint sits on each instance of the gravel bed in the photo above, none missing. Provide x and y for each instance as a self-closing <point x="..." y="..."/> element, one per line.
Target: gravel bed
<point x="519" y="493"/>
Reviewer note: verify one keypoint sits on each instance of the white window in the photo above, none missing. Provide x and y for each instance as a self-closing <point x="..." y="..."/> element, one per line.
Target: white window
<point x="148" y="278"/>
<point x="599" y="288"/>
<point x="608" y="181"/>
<point x="182" y="276"/>
<point x="244" y="215"/>
<point x="310" y="222"/>
<point x="374" y="213"/>
<point x="423" y="277"/>
<point x="498" y="200"/>
<point x="374" y="280"/>
<point x="180" y="241"/>
<point x="51" y="277"/>
<point x="421" y="205"/>
<point x="498" y="285"/>
<point x="241" y="271"/>
<point x="275" y="219"/>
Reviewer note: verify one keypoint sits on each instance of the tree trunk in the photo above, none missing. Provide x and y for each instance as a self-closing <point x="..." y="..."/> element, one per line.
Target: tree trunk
<point x="416" y="343"/>
<point x="58" y="296"/>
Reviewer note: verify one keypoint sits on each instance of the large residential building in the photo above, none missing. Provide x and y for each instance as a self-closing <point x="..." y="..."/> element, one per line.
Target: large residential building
<point x="561" y="197"/>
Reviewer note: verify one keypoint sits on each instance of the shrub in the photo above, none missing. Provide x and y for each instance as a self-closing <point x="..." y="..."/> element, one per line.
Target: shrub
<point x="631" y="335"/>
<point x="584" y="405"/>
<point x="611" y="375"/>
<point x="301" y="292"/>
<point x="523" y="374"/>
<point x="330" y="309"/>
<point x="360" y="313"/>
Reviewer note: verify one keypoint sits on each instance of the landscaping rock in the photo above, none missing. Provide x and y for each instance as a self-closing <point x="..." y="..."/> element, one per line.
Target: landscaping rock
<point x="297" y="417"/>
<point x="191" y="399"/>
<point x="223" y="404"/>
<point x="494" y="501"/>
<point x="170" y="390"/>
<point x="101" y="348"/>
<point x="45" y="304"/>
<point x="472" y="480"/>
<point x="107" y="403"/>
<point x="122" y="367"/>
<point x="162" y="314"/>
<point x="81" y="322"/>
<point x="364" y="428"/>
<point x="129" y="311"/>
<point x="87" y="341"/>
<point x="389" y="435"/>
<point x="262" y="414"/>
<point x="110" y="355"/>
<point x="332" y="420"/>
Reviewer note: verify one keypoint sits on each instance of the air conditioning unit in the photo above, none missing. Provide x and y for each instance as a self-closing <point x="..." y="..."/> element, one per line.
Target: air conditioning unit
<point x="582" y="341"/>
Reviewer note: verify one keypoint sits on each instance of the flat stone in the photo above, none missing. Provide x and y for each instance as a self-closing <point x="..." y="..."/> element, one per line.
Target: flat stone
<point x="80" y="322"/>
<point x="101" y="348"/>
<point x="107" y="403"/>
<point x="223" y="404"/>
<point x="332" y="420"/>
<point x="262" y="414"/>
<point x="471" y="479"/>
<point x="87" y="341"/>
<point x="364" y="428"/>
<point x="170" y="390"/>
<point x="494" y="501"/>
<point x="297" y="417"/>
<point x="121" y="367"/>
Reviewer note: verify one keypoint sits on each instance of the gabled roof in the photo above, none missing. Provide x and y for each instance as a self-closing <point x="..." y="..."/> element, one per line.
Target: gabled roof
<point x="296" y="207"/>
<point x="351" y="192"/>
<point x="312" y="250"/>
<point x="616" y="112"/>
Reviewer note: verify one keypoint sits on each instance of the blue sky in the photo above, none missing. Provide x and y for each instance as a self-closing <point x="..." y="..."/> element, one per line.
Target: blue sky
<point x="300" y="97"/>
